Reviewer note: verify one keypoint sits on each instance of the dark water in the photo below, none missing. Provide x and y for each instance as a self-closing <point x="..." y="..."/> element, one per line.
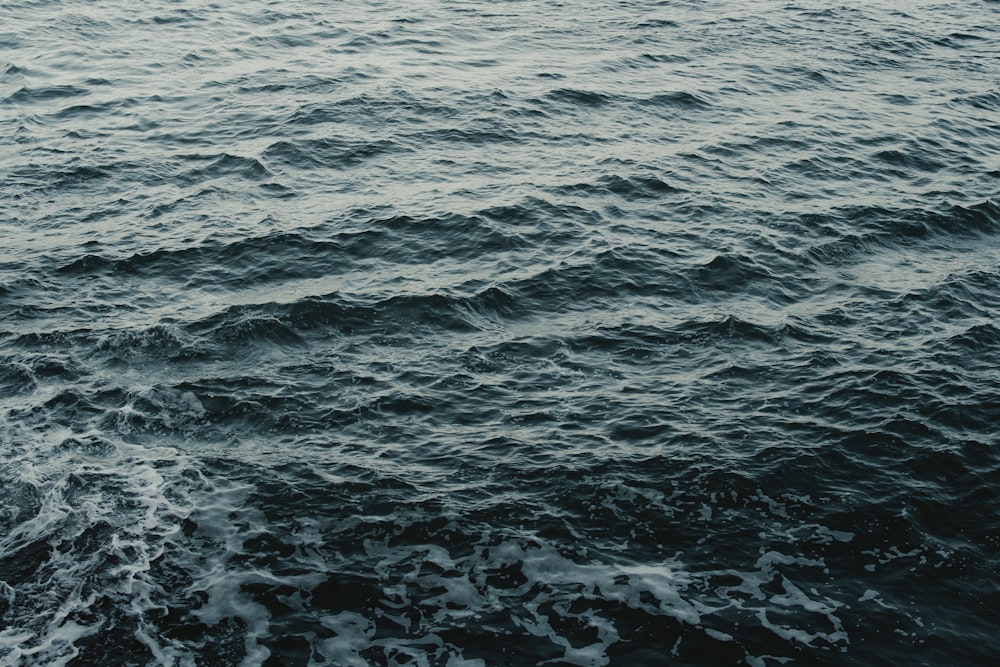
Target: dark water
<point x="499" y="333"/>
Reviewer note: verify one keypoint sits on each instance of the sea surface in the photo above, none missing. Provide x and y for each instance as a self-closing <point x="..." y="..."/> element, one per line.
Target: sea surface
<point x="467" y="334"/>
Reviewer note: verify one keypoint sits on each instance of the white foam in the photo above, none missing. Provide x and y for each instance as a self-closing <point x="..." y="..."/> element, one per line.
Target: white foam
<point x="455" y="661"/>
<point x="151" y="506"/>
<point x="555" y="585"/>
<point x="353" y="634"/>
<point x="718" y="636"/>
<point x="163" y="655"/>
<point x="874" y="596"/>
<point x="107" y="515"/>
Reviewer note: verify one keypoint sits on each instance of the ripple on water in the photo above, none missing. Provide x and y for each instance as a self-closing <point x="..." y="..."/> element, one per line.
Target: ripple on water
<point x="464" y="335"/>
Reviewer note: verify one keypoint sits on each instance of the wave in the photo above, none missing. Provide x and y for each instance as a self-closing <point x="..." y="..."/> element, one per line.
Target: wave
<point x="312" y="153"/>
<point x="620" y="333"/>
<point x="27" y="95"/>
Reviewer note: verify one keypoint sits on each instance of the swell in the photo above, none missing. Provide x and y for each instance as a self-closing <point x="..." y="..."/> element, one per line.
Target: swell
<point x="293" y="255"/>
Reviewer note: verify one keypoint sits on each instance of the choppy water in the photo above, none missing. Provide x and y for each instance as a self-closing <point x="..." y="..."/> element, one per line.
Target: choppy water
<point x="499" y="333"/>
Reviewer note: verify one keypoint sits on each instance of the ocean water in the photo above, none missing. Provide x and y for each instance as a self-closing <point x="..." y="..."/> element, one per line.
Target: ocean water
<point x="468" y="333"/>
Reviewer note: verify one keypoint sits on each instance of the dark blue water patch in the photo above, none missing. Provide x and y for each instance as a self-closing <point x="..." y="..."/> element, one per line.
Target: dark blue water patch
<point x="461" y="237"/>
<point x="73" y="177"/>
<point x="658" y="23"/>
<point x="569" y="287"/>
<point x="193" y="201"/>
<point x="78" y="111"/>
<point x="475" y="134"/>
<point x="543" y="219"/>
<point x="87" y="264"/>
<point x="573" y="97"/>
<point x="283" y="324"/>
<point x="980" y="340"/>
<point x="911" y="161"/>
<point x="831" y="168"/>
<point x="659" y="58"/>
<point x="27" y="95"/>
<point x="312" y="83"/>
<point x="987" y="101"/>
<point x="321" y="251"/>
<point x="633" y="188"/>
<point x="966" y="296"/>
<point x="120" y="177"/>
<point x="23" y="563"/>
<point x="278" y="41"/>
<point x="16" y="378"/>
<point x="237" y="327"/>
<point x="248" y="261"/>
<point x="368" y="110"/>
<point x="220" y="166"/>
<point x="174" y="17"/>
<point x="455" y="314"/>
<point x="874" y="229"/>
<point x="786" y="142"/>
<point x="732" y="272"/>
<point x="219" y="408"/>
<point x="982" y="217"/>
<point x="680" y="100"/>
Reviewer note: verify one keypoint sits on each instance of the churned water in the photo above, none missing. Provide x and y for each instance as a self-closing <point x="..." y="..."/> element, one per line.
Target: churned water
<point x="472" y="333"/>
